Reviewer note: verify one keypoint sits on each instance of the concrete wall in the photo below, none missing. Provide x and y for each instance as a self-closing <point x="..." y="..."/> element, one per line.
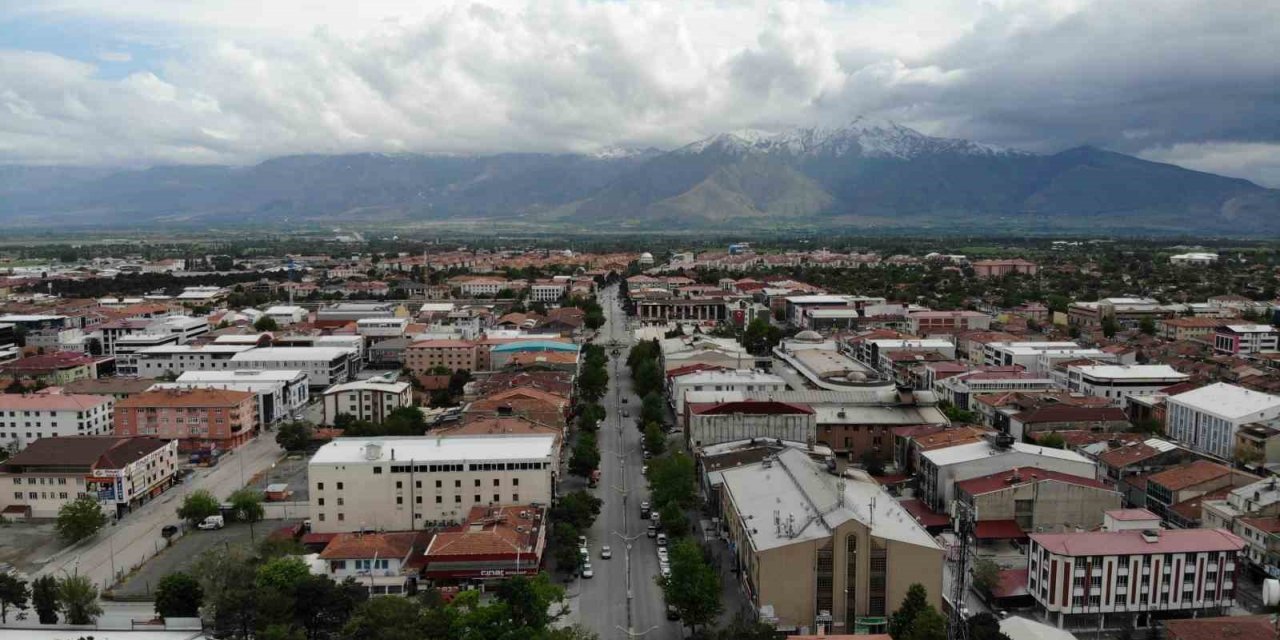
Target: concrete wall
<point x="1057" y="505"/>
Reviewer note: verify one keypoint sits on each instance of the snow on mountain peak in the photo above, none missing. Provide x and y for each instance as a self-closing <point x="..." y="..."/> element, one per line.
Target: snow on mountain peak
<point x="864" y="136"/>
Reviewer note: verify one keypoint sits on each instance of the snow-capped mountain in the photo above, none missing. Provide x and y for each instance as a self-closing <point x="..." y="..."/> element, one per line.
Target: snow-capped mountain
<point x="863" y="136"/>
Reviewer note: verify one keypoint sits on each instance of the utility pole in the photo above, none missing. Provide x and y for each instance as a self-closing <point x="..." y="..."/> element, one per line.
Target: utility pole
<point x="957" y="626"/>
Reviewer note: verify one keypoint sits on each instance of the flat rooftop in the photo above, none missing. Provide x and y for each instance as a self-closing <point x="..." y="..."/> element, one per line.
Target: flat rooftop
<point x="433" y="449"/>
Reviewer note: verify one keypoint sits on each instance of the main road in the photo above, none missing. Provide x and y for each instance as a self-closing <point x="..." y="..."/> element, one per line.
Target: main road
<point x="119" y="548"/>
<point x="623" y="600"/>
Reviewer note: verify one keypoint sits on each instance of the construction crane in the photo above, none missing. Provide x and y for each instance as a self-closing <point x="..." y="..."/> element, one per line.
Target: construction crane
<point x="962" y="519"/>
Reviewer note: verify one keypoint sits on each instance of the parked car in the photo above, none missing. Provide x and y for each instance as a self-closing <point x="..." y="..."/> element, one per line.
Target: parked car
<point x="644" y="506"/>
<point x="662" y="539"/>
<point x="169" y="531"/>
<point x="211" y="523"/>
<point x="606" y="552"/>
<point x="672" y="613"/>
<point x="587" y="572"/>
<point x="662" y="554"/>
<point x="584" y="553"/>
<point x="653" y="531"/>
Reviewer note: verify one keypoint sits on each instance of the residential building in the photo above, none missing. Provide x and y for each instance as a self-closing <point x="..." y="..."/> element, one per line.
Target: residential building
<point x="1028" y="424"/>
<point x="1125" y="574"/>
<point x="1182" y="328"/>
<point x="1010" y="504"/>
<point x="924" y="323"/>
<point x="401" y="484"/>
<point x="281" y="392"/>
<point x="422" y="357"/>
<point x="1258" y="445"/>
<point x="324" y="366"/>
<point x="199" y="419"/>
<point x="1207" y="419"/>
<point x="1196" y="258"/>
<point x="1116" y="382"/>
<point x="538" y="405"/>
<point x="285" y="315"/>
<point x="1177" y="485"/>
<point x="1126" y="312"/>
<point x="813" y="548"/>
<point x="1251" y="512"/>
<point x="121" y="473"/>
<point x="709" y="423"/>
<point x="548" y="290"/>
<point x="1001" y="268"/>
<point x="54" y="369"/>
<point x="491" y="544"/>
<point x="117" y="387"/>
<point x="1245" y="339"/>
<point x="960" y="389"/>
<point x="377" y="329"/>
<point x="740" y="380"/>
<point x="516" y="352"/>
<point x="370" y="400"/>
<point x="173" y="359"/>
<point x="28" y="417"/>
<point x="385" y="563"/>
<point x="941" y="469"/>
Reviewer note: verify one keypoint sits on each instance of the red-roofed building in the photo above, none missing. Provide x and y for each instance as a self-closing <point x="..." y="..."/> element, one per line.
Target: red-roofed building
<point x="121" y="473"/>
<point x="56" y="369"/>
<point x="423" y="357"/>
<point x="383" y="563"/>
<point x="1034" y="499"/>
<point x="708" y="423"/>
<point x="1058" y="417"/>
<point x="493" y="543"/>
<point x="537" y="405"/>
<point x="1258" y="627"/>
<point x="1178" y="484"/>
<point x="1131" y="572"/>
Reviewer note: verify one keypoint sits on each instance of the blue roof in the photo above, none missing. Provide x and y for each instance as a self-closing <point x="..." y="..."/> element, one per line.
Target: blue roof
<point x="535" y="345"/>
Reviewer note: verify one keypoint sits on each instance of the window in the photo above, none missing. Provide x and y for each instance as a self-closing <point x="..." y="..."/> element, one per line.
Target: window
<point x="495" y="482"/>
<point x="322" y="517"/>
<point x="439" y="484"/>
<point x="457" y="499"/>
<point x="476" y="498"/>
<point x="457" y="484"/>
<point x="340" y="502"/>
<point x="515" y="482"/>
<point x="339" y="486"/>
<point x="496" y="499"/>
<point x="439" y="499"/>
<point x="399" y="499"/>
<point x="377" y="471"/>
<point x="341" y="517"/>
<point x="399" y="484"/>
<point x="320" y="502"/>
<point x="477" y="482"/>
<point x="418" y="499"/>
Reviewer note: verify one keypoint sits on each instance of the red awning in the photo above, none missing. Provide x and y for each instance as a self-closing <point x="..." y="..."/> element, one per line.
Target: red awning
<point x="998" y="530"/>
<point x="924" y="515"/>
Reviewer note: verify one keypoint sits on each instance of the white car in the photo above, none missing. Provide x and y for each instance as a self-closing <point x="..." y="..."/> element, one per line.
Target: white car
<point x="582" y="551"/>
<point x="587" y="571"/>
<point x="606" y="552"/>
<point x="662" y="554"/>
<point x="666" y="571"/>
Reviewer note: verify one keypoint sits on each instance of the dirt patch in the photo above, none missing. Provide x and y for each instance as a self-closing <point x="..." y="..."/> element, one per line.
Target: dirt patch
<point x="26" y="545"/>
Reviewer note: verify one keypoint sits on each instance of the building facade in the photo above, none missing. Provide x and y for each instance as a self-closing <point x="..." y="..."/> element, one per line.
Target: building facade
<point x="369" y="400"/>
<point x="1207" y="419"/>
<point x="122" y="473"/>
<point x="199" y="419"/>
<point x="26" y="418"/>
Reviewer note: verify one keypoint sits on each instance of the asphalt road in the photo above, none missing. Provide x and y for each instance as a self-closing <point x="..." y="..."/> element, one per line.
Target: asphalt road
<point x="118" y="549"/>
<point x="612" y="603"/>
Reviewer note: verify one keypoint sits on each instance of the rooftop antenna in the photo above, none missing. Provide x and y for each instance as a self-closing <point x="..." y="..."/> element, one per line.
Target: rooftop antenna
<point x="840" y="486"/>
<point x="872" y="509"/>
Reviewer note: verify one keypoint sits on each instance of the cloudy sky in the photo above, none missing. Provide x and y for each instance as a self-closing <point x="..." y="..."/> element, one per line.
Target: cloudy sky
<point x="140" y="82"/>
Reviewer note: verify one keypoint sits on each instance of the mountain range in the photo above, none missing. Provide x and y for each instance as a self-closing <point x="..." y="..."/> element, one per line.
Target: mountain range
<point x="863" y="175"/>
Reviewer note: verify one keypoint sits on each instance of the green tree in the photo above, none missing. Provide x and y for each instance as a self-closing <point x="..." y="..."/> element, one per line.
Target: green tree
<point x="674" y="521"/>
<point x="1147" y="326"/>
<point x="900" y="622"/>
<point x="78" y="599"/>
<point x="565" y="539"/>
<point x="984" y="626"/>
<point x="80" y="519"/>
<point x="928" y="625"/>
<point x="322" y="607"/>
<point x="986" y="576"/>
<point x="647" y="378"/>
<point x="693" y="588"/>
<point x="1149" y="425"/>
<point x="760" y="336"/>
<point x="179" y="596"/>
<point x="1053" y="440"/>
<point x="294" y="435"/>
<point x="246" y="504"/>
<point x="577" y="508"/>
<point x="590" y="416"/>
<point x="389" y="618"/>
<point x="198" y="505"/>
<point x="266" y="323"/>
<point x="672" y="479"/>
<point x="529" y="602"/>
<point x="13" y="593"/>
<point x="44" y="599"/>
<point x="592" y="383"/>
<point x="653" y="409"/>
<point x="586" y="455"/>
<point x="655" y="441"/>
<point x="283" y="574"/>
<point x="1109" y="327"/>
<point x="230" y="596"/>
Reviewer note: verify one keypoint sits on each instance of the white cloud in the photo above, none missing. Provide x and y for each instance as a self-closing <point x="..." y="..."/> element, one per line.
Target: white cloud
<point x="115" y="56"/>
<point x="240" y="81"/>
<point x="1256" y="161"/>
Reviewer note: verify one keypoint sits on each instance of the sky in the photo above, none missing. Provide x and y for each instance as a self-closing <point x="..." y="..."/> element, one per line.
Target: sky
<point x="147" y="82"/>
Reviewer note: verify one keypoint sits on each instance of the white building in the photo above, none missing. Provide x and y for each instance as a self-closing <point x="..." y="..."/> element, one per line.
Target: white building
<point x="285" y="315"/>
<point x="548" y="291"/>
<point x="372" y="400"/>
<point x="155" y="362"/>
<point x="1128" y="573"/>
<point x="1245" y="339"/>
<point x="1116" y="382"/>
<point x="281" y="392"/>
<point x="122" y="473"/>
<point x="399" y="484"/>
<point x="1206" y="419"/>
<point x="1029" y="354"/>
<point x="25" y="418"/>
<point x="740" y="380"/>
<point x="1194" y="258"/>
<point x="324" y="366"/>
<point x="959" y="389"/>
<point x="375" y="329"/>
<point x="483" y="286"/>
<point x="377" y="561"/>
<point x="941" y="469"/>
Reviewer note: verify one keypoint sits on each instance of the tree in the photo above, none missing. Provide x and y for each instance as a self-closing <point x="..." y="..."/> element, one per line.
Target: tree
<point x="322" y="607"/>
<point x="44" y="599"/>
<point x="528" y="602"/>
<point x="586" y="455"/>
<point x="179" y="596"/>
<point x="246" y="504"/>
<point x="873" y="463"/>
<point x="900" y="622"/>
<point x="230" y="596"/>
<point x="283" y="574"/>
<point x="1248" y="455"/>
<point x="986" y="576"/>
<point x="743" y="628"/>
<point x="672" y="479"/>
<point x="929" y="625"/>
<point x="294" y="435"/>
<point x="13" y="593"/>
<point x="198" y="505"/>
<point x="1147" y="326"/>
<point x="78" y="599"/>
<point x="565" y="537"/>
<point x="388" y="618"/>
<point x="693" y="587"/>
<point x="1109" y="327"/>
<point x="577" y="508"/>
<point x="760" y="336"/>
<point x="674" y="521"/>
<point x="80" y="519"/>
<point x="1053" y="440"/>
<point x="984" y="626"/>
<point x="655" y="441"/>
<point x="266" y="323"/>
<point x="1149" y="425"/>
<point x="652" y="408"/>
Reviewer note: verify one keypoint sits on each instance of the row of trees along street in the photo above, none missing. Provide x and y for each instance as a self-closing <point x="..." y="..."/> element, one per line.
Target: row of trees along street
<point x="73" y="597"/>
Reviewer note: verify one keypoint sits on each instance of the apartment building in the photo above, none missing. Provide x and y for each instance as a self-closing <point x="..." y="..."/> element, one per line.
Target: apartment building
<point x="199" y="419"/>
<point x="548" y="290"/>
<point x="401" y="484"/>
<point x="371" y="400"/>
<point x="816" y="549"/>
<point x="1170" y="488"/>
<point x="1117" y="382"/>
<point x="1207" y="419"/>
<point x="26" y="418"/>
<point x="380" y="562"/>
<point x="378" y="329"/>
<point x="1251" y="512"/>
<point x="285" y="315"/>
<point x="1001" y="268"/>
<point x="741" y="380"/>
<point x="173" y="359"/>
<point x="54" y="369"/>
<point x="1118" y="578"/>
<point x="487" y="287"/>
<point x="1245" y="339"/>
<point x="941" y="469"/>
<point x="1010" y="504"/>
<point x="708" y="423"/>
<point x="1181" y="328"/>
<point x="281" y="392"/>
<point x="324" y="366"/>
<point x="421" y="357"/>
<point x="122" y="473"/>
<point x="923" y="323"/>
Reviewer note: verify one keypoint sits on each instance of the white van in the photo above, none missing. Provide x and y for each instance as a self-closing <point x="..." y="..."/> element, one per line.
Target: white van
<point x="212" y="522"/>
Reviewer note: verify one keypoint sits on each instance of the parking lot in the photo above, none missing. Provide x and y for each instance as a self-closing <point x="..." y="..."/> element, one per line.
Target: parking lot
<point x="26" y="545"/>
<point x="291" y="470"/>
<point x="183" y="551"/>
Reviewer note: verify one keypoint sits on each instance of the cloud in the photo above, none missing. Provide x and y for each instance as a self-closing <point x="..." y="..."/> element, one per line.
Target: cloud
<point x="241" y="81"/>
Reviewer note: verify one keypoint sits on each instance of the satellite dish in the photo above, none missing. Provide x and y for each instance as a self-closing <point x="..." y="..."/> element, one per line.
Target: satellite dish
<point x="1270" y="592"/>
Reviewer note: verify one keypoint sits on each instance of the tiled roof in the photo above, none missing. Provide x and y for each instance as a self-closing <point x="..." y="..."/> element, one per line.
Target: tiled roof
<point x="497" y="531"/>
<point x="360" y="546"/>
<point x="1128" y="454"/>
<point x="1189" y="475"/>
<point x="1110" y="543"/>
<point x="1066" y="413"/>
<point x="1257" y="627"/>
<point x="750" y="407"/>
<point x="1190" y="510"/>
<point x="186" y="398"/>
<point x="106" y="452"/>
<point x="1020" y="476"/>
<point x="49" y="361"/>
<point x="52" y="401"/>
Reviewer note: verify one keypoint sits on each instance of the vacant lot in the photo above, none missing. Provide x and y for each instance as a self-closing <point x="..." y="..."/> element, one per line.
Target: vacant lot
<point x="184" y="550"/>
<point x="26" y="545"/>
<point x="291" y="470"/>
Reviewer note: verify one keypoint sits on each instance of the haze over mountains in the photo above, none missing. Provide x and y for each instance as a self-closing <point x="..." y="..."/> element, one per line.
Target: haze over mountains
<point x="865" y="174"/>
